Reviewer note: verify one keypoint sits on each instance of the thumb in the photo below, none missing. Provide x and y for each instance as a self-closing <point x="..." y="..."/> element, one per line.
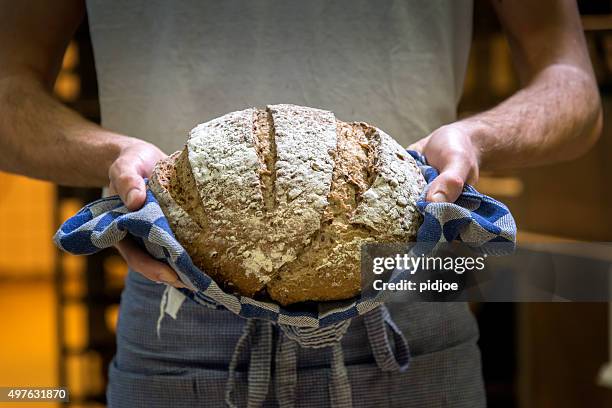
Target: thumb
<point x="128" y="183"/>
<point x="448" y="185"/>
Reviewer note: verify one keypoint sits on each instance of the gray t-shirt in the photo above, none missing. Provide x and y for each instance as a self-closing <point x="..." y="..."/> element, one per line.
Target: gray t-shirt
<point x="165" y="66"/>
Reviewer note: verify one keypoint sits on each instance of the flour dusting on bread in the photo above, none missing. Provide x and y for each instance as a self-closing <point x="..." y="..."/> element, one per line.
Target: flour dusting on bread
<point x="280" y="199"/>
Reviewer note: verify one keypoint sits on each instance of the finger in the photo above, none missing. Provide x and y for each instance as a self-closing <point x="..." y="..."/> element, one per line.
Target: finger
<point x="128" y="183"/>
<point x="448" y="185"/>
<point x="143" y="263"/>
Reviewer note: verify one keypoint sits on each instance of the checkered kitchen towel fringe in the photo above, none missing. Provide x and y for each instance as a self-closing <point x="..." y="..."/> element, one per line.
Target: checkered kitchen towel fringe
<point x="474" y="218"/>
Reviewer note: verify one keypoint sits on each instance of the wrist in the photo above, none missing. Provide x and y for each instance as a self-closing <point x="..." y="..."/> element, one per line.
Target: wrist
<point x="114" y="145"/>
<point x="477" y="131"/>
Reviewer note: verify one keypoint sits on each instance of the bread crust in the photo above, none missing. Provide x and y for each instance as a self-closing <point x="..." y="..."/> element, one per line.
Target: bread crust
<point x="281" y="199"/>
<point x="200" y="244"/>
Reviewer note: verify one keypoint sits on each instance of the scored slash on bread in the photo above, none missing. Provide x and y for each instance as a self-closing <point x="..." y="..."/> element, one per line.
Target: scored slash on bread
<point x="281" y="199"/>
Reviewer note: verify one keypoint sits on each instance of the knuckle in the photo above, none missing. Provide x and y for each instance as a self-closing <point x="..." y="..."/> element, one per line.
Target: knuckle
<point x="113" y="170"/>
<point x="454" y="180"/>
<point x="125" y="179"/>
<point x="158" y="275"/>
<point x="459" y="153"/>
<point x="164" y="274"/>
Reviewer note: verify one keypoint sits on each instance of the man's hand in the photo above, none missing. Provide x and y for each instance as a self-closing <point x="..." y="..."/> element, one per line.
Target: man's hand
<point x="42" y="138"/>
<point x="135" y="161"/>
<point x="555" y="116"/>
<point x="451" y="150"/>
<point x="141" y="262"/>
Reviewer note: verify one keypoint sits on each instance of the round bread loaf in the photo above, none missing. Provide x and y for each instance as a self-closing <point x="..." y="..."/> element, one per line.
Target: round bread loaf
<point x="280" y="200"/>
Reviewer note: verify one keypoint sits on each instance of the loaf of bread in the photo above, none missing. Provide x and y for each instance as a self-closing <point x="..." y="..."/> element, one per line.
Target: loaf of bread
<point x="278" y="201"/>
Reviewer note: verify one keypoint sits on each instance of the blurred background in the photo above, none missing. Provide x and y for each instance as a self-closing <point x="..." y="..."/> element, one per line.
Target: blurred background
<point x="58" y="312"/>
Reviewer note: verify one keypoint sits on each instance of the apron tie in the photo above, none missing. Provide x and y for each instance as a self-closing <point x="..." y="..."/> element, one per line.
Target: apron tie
<point x="376" y="322"/>
<point x="339" y="387"/>
<point x="257" y="334"/>
<point x="286" y="371"/>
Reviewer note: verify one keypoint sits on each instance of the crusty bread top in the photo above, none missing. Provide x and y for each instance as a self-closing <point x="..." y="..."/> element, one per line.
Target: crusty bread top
<point x="262" y="184"/>
<point x="227" y="168"/>
<point x="388" y="206"/>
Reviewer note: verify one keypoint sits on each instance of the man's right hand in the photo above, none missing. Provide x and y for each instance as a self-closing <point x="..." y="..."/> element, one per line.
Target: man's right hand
<point x="135" y="161"/>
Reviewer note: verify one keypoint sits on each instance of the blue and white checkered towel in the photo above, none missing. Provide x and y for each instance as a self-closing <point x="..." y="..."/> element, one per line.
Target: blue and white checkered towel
<point x="474" y="218"/>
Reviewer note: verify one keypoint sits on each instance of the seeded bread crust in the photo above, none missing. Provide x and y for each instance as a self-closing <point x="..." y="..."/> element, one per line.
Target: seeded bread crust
<point x="202" y="246"/>
<point x="280" y="200"/>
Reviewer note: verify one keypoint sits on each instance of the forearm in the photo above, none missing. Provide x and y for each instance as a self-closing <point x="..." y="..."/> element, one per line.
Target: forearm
<point x="556" y="117"/>
<point x="42" y="138"/>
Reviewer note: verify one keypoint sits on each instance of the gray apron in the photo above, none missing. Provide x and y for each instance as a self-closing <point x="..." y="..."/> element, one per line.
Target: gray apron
<point x="187" y="364"/>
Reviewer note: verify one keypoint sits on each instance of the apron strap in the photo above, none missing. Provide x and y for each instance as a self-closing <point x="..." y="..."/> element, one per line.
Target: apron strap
<point x="376" y="322"/>
<point x="258" y="334"/>
<point x="260" y="364"/>
<point x="285" y="376"/>
<point x="339" y="387"/>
